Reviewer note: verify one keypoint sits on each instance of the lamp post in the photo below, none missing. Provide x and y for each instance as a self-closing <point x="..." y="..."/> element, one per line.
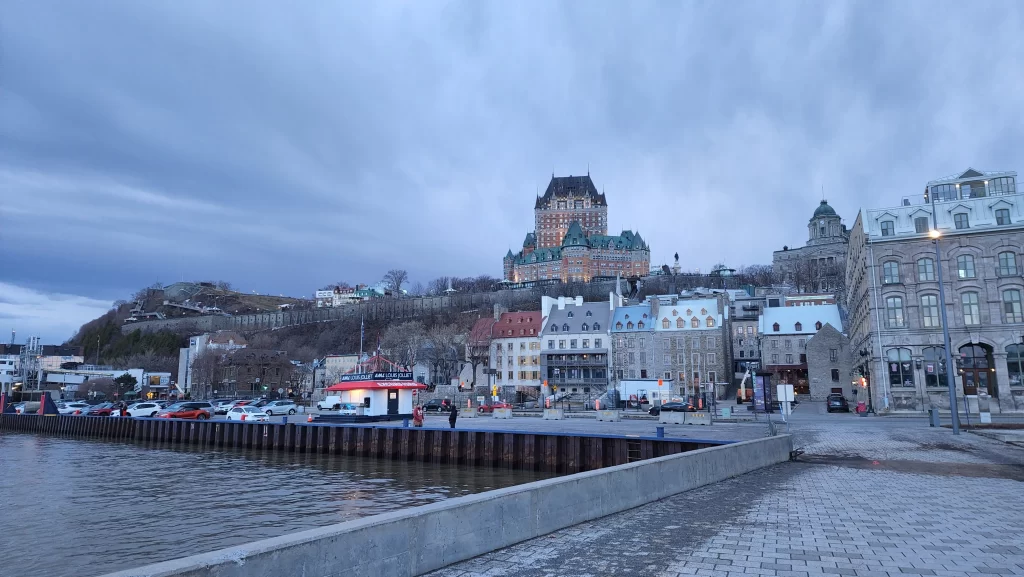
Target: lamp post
<point x="935" y="234"/>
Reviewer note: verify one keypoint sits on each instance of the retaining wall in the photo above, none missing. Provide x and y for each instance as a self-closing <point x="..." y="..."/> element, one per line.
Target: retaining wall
<point x="523" y="450"/>
<point x="419" y="540"/>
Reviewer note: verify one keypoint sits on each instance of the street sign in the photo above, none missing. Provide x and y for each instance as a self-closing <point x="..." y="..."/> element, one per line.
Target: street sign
<point x="280" y="391"/>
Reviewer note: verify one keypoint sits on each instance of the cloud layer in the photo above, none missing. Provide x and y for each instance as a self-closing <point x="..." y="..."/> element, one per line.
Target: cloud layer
<point x="284" y="147"/>
<point x="53" y="317"/>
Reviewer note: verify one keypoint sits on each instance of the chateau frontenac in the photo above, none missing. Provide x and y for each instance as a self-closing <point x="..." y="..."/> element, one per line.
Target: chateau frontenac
<point x="570" y="241"/>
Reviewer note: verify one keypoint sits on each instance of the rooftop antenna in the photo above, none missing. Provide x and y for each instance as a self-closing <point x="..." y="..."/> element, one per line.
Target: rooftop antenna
<point x="588" y="169"/>
<point x="12" y="337"/>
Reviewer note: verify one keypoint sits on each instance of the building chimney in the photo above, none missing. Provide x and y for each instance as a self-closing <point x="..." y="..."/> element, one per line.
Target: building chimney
<point x="561" y="303"/>
<point x="579" y="301"/>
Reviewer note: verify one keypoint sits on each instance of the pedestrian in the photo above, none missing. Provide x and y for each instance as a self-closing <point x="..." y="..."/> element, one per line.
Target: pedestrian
<point x="453" y="415"/>
<point x="417" y="416"/>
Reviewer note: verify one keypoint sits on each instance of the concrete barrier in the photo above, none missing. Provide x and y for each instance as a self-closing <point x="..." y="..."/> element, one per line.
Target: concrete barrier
<point x="699" y="418"/>
<point x="554" y="414"/>
<point x="469" y="413"/>
<point x="671" y="418"/>
<point x="422" y="539"/>
<point x="609" y="416"/>
<point x="502" y="413"/>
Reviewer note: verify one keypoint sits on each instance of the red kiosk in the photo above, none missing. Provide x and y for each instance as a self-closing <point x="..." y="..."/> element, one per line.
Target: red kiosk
<point x="385" y="390"/>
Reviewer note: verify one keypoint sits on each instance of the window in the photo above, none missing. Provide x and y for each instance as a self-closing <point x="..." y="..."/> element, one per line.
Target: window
<point x="741" y="354"/>
<point x="789" y="359"/>
<point x="799" y="327"/>
<point x="972" y="313"/>
<point x="597" y="326"/>
<point x="960" y="221"/>
<point x="1002" y="216"/>
<point x="835" y="375"/>
<point x="585" y="327"/>
<point x="643" y="357"/>
<point x="641" y="342"/>
<point x="711" y="342"/>
<point x="1002" y="185"/>
<point x="694" y="323"/>
<point x="739" y="331"/>
<point x="597" y="343"/>
<point x="561" y="343"/>
<point x="942" y="192"/>
<point x="590" y="314"/>
<point x="586" y="343"/>
<point x="570" y="315"/>
<point x="929" y="311"/>
<point x="679" y="323"/>
<point x="1011" y="306"/>
<point x="921" y="224"/>
<point x="888" y="228"/>
<point x="802" y="344"/>
<point x="667" y="360"/>
<point x="965" y="266"/>
<point x="551" y="344"/>
<point x="934" y="366"/>
<point x="618" y="326"/>
<point x="833" y="355"/>
<point x="1007" y="264"/>
<point x="665" y="324"/>
<point x="565" y="327"/>
<point x="572" y="343"/>
<point x="522" y="346"/>
<point x="775" y="359"/>
<point x="711" y="358"/>
<point x="788" y="344"/>
<point x="901" y="368"/>
<point x="775" y="343"/>
<point x="712" y="376"/>
<point x="640" y="324"/>
<point x="632" y="357"/>
<point x="554" y="328"/>
<point x="894" y="312"/>
<point x="695" y="343"/>
<point x="510" y="375"/>
<point x="1015" y="363"/>
<point x="890" y="272"/>
<point x="925" y="269"/>
<point x="509" y="346"/>
<point x="775" y="327"/>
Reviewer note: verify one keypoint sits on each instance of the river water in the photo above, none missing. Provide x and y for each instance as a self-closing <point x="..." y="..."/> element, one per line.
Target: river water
<point x="84" y="508"/>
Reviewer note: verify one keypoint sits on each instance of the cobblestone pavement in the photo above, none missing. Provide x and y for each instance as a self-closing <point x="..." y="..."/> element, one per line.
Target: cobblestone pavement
<point x="878" y="499"/>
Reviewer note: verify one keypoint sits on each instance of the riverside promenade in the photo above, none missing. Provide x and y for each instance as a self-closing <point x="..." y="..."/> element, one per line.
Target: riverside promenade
<point x="870" y="497"/>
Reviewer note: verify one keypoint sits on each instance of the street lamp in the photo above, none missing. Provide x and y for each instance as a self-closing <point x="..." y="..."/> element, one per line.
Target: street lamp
<point x="935" y="235"/>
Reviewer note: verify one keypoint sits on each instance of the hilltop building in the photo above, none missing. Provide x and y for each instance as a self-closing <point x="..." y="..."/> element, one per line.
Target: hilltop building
<point x="570" y="241"/>
<point x="818" y="266"/>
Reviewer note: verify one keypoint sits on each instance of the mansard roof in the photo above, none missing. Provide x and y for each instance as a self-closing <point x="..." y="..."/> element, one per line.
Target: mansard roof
<point x="571" y="186"/>
<point x="575" y="236"/>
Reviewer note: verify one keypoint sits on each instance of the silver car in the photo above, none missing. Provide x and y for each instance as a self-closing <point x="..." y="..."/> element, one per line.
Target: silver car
<point x="280" y="408"/>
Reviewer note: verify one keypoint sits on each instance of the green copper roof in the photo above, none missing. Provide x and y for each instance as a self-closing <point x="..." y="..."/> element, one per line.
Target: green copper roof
<point x="575" y="236"/>
<point x="824" y="210"/>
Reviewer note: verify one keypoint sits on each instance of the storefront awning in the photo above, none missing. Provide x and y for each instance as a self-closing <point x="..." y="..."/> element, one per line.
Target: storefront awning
<point x="360" y="385"/>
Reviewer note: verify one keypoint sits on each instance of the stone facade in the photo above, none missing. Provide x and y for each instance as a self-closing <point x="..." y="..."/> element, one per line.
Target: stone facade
<point x="818" y="265"/>
<point x="785" y="332"/>
<point x="830" y="364"/>
<point x="745" y="311"/>
<point x="895" y="320"/>
<point x="575" y="345"/>
<point x="683" y="341"/>
<point x="570" y="241"/>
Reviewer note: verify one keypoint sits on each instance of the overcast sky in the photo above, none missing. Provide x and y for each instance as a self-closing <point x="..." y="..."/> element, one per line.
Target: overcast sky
<point x="284" y="145"/>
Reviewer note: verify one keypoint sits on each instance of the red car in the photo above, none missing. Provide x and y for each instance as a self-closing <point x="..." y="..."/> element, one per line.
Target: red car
<point x="184" y="411"/>
<point x="101" y="410"/>
<point x="490" y="408"/>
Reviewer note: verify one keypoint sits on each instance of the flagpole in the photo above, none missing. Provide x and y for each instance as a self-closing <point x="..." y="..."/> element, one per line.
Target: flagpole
<point x="361" y="332"/>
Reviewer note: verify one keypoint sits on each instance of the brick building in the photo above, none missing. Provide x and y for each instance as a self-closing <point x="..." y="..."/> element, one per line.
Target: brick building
<point x="895" y="318"/>
<point x="570" y="241"/>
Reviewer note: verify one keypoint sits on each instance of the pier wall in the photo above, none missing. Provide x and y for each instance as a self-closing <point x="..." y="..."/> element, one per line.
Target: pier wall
<point x="419" y="540"/>
<point x="522" y="450"/>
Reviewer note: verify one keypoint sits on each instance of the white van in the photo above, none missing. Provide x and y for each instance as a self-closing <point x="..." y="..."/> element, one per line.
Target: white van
<point x="329" y="403"/>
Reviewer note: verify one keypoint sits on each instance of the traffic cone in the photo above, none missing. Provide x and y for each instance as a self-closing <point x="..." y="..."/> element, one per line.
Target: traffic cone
<point x="309" y="419"/>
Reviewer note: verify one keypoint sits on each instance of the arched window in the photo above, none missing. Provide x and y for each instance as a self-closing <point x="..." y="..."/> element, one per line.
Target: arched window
<point x="565" y="327"/>
<point x="710" y="321"/>
<point x="1015" y="363"/>
<point x="934" y="366"/>
<point x="679" y="323"/>
<point x="585" y="327"/>
<point x="694" y="323"/>
<point x="554" y="328"/>
<point x="629" y="325"/>
<point x="817" y="326"/>
<point x="1007" y="264"/>
<point x="776" y="327"/>
<point x="901" y="368"/>
<point x="799" y="327"/>
<point x="665" y="324"/>
<point x="890" y="272"/>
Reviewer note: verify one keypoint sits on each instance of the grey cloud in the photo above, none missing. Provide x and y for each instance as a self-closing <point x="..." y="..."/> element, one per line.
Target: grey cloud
<point x="284" y="147"/>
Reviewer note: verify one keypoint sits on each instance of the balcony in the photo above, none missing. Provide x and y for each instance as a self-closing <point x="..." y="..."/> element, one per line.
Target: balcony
<point x="564" y="380"/>
<point x="579" y="362"/>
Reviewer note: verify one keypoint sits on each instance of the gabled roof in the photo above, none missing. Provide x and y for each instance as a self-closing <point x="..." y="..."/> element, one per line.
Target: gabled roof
<point x="970" y="173"/>
<point x="516" y="324"/>
<point x="575" y="186"/>
<point x="807" y="316"/>
<point x="575" y="235"/>
<point x="599" y="313"/>
<point x="531" y="240"/>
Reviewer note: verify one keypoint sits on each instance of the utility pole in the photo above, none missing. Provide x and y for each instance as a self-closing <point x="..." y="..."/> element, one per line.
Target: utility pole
<point x="97" y="350"/>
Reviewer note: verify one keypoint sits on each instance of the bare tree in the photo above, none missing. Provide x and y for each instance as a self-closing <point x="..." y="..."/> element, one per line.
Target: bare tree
<point x="478" y="347"/>
<point x="438" y="285"/>
<point x="417" y="290"/>
<point x="207" y="375"/>
<point x="401" y="342"/>
<point x="223" y="285"/>
<point x="442" y="349"/>
<point x="395" y="278"/>
<point x="101" y="387"/>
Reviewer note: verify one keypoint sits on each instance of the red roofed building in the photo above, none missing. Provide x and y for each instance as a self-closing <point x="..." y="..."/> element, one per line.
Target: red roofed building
<point x="515" y="352"/>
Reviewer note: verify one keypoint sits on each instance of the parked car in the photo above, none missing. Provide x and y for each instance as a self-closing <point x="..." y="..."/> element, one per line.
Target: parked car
<point x="249" y="413"/>
<point x="146" y="409"/>
<point x="205" y="405"/>
<point x="282" y="407"/>
<point x="490" y="408"/>
<point x="223" y="407"/>
<point x="69" y="408"/>
<point x="100" y="410"/>
<point x="329" y="403"/>
<point x="437" y="406"/>
<point x="671" y="407"/>
<point x="186" y="410"/>
<point x="837" y="403"/>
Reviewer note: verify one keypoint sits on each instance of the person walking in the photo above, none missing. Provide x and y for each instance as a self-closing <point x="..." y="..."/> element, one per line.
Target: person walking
<point x="453" y="416"/>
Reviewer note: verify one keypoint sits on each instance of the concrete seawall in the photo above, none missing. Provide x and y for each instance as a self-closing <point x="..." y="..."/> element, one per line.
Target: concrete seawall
<point x="422" y="539"/>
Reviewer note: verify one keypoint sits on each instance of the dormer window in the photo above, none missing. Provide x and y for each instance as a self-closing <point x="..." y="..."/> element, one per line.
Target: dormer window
<point x="629" y="325"/>
<point x="570" y="315"/>
<point x="618" y="326"/>
<point x="710" y="321"/>
<point x="554" y="328"/>
<point x="775" y="327"/>
<point x="688" y="312"/>
<point x="665" y="324"/>
<point x="694" y="323"/>
<point x="565" y="327"/>
<point x="888" y="228"/>
<point x="585" y="327"/>
<point x="675" y="313"/>
<point x="640" y="324"/>
<point x="597" y="326"/>
<point x="799" y="327"/>
<point x="509" y="321"/>
<point x="590" y="314"/>
<point x="680" y="324"/>
<point x="522" y="332"/>
<point x="520" y="320"/>
<point x="703" y="311"/>
<point x="817" y="326"/>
